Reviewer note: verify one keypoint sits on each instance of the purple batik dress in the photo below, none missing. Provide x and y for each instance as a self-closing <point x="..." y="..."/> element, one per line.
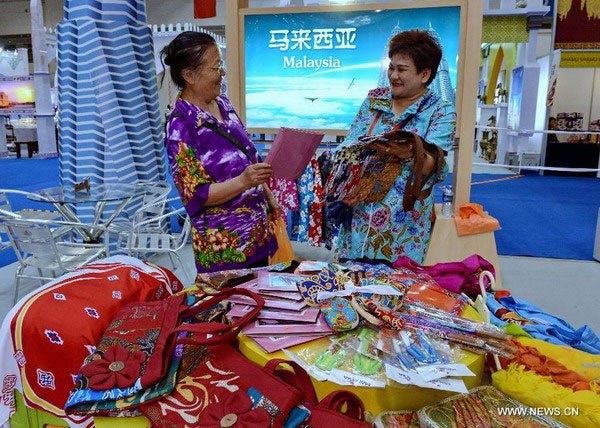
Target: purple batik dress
<point x="235" y="234"/>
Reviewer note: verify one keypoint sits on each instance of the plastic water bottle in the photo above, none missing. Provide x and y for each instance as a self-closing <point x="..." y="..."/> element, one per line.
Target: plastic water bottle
<point x="447" y="197"/>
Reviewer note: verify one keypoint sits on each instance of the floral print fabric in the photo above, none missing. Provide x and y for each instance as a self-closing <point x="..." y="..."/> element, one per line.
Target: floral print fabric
<point x="384" y="230"/>
<point x="236" y="233"/>
<point x="307" y="222"/>
<point x="285" y="192"/>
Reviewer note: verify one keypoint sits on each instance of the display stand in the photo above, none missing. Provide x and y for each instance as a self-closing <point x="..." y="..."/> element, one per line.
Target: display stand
<point x="500" y="113"/>
<point x="447" y="246"/>
<point x="501" y="122"/>
<point x="572" y="155"/>
<point x="21" y="68"/>
<point x="485" y="112"/>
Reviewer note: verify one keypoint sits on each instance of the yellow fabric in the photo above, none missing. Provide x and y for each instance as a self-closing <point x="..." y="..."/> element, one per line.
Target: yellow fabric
<point x="504" y="29"/>
<point x="587" y="365"/>
<point x="579" y="59"/>
<point x="502" y="58"/>
<point x="540" y="392"/>
<point x="498" y="58"/>
<point x="515" y="330"/>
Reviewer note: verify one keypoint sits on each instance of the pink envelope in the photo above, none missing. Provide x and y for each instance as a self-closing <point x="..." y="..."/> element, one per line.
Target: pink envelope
<point x="308" y="314"/>
<point x="277" y="281"/>
<point x="288" y="305"/>
<point x="276" y="343"/>
<point x="311" y="267"/>
<point x="291" y="152"/>
<point x="260" y="327"/>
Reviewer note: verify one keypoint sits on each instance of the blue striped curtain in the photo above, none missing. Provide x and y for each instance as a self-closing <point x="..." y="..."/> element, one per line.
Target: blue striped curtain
<point x="109" y="116"/>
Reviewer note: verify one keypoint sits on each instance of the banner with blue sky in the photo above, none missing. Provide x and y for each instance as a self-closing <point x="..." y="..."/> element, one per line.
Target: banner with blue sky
<point x="312" y="70"/>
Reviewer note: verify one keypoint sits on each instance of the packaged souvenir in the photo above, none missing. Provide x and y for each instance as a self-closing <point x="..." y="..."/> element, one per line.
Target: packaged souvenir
<point x="341" y="363"/>
<point x="397" y="419"/>
<point x="480" y="408"/>
<point x="331" y="358"/>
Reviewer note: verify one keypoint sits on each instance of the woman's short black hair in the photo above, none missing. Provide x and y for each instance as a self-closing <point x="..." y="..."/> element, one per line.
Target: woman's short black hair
<point x="187" y="50"/>
<point x="419" y="45"/>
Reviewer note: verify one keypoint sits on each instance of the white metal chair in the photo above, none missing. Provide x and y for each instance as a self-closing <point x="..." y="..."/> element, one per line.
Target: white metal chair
<point x="38" y="247"/>
<point x="4" y="241"/>
<point x="144" y="241"/>
<point x="6" y="210"/>
<point x="153" y="205"/>
<point x="26" y="213"/>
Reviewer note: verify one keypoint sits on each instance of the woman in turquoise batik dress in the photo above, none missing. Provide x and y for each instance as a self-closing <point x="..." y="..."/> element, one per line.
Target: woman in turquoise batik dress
<point x="384" y="230"/>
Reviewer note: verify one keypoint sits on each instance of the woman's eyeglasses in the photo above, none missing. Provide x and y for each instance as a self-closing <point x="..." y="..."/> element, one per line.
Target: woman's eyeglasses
<point x="219" y="69"/>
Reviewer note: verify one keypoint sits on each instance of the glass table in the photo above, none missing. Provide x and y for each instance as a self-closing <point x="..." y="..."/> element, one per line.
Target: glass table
<point x="99" y="195"/>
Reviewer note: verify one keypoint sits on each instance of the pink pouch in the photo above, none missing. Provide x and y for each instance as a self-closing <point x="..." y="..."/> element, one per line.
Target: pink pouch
<point x="458" y="277"/>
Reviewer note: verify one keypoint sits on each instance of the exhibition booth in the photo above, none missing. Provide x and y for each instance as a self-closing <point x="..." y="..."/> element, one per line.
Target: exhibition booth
<point x="118" y="340"/>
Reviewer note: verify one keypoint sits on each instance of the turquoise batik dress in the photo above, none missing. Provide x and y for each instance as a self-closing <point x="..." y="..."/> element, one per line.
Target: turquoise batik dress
<point x="384" y="230"/>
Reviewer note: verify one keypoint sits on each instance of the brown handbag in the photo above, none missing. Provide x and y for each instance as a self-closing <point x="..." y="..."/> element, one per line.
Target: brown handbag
<point x="381" y="172"/>
<point x="416" y="182"/>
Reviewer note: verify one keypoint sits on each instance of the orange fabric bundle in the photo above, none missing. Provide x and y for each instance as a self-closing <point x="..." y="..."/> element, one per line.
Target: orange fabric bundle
<point x="472" y="219"/>
<point x="545" y="391"/>
<point x="543" y="365"/>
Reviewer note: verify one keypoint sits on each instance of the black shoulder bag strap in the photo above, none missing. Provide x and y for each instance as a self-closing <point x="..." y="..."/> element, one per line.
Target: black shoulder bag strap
<point x="215" y="128"/>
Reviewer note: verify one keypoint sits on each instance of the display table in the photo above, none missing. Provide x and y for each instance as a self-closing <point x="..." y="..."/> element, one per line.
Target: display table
<point x="99" y="195"/>
<point x="26" y="136"/>
<point x="376" y="400"/>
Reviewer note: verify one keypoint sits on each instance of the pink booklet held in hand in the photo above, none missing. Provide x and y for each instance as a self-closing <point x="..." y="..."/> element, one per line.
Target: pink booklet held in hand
<point x="291" y="152"/>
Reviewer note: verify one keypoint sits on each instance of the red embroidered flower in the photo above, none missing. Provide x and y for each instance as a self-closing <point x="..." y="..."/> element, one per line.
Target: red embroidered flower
<point x="234" y="411"/>
<point x="118" y="368"/>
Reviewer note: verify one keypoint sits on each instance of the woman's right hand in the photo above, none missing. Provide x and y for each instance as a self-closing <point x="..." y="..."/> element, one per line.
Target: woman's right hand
<point x="256" y="174"/>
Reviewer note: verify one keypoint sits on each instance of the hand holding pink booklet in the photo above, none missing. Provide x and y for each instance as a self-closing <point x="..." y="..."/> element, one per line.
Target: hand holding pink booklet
<point x="291" y="152"/>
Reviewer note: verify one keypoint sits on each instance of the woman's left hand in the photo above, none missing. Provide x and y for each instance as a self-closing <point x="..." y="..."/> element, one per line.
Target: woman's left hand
<point x="274" y="207"/>
<point x="401" y="151"/>
<point x="272" y="203"/>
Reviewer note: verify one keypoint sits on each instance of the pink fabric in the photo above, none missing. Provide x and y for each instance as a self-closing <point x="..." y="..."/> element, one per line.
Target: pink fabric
<point x="458" y="277"/>
<point x="285" y="191"/>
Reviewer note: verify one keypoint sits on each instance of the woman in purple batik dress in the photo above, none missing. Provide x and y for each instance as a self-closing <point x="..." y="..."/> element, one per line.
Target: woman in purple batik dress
<point x="220" y="183"/>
